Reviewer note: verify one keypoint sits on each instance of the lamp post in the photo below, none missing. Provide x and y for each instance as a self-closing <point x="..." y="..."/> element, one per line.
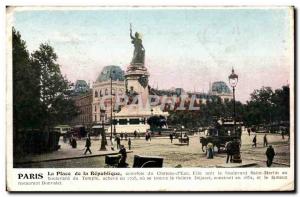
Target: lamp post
<point x="182" y="127"/>
<point x="111" y="104"/>
<point x="114" y="123"/>
<point x="103" y="140"/>
<point x="233" y="80"/>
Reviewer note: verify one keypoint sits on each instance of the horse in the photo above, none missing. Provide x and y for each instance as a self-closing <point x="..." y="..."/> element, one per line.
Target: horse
<point x="204" y="141"/>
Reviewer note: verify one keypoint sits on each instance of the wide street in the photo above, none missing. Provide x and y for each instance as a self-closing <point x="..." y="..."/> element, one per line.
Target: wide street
<point x="174" y="154"/>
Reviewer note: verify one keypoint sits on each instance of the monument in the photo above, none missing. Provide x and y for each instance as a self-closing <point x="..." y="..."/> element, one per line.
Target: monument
<point x="133" y="117"/>
<point x="137" y="76"/>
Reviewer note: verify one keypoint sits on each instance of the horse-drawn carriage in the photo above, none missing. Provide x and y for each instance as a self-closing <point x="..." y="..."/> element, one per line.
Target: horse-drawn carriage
<point x="221" y="133"/>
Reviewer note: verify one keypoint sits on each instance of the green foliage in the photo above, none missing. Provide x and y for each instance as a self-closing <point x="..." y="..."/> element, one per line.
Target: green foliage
<point x="156" y="122"/>
<point x="26" y="88"/>
<point x="55" y="99"/>
<point x="41" y="95"/>
<point x="267" y="106"/>
<point x="213" y="109"/>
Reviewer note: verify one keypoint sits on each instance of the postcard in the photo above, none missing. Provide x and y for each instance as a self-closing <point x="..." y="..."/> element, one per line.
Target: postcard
<point x="150" y="99"/>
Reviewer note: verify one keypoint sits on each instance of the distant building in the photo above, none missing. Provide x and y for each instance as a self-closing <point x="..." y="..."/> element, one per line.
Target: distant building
<point x="81" y="87"/>
<point x="84" y="103"/>
<point x="220" y="88"/>
<point x="102" y="89"/>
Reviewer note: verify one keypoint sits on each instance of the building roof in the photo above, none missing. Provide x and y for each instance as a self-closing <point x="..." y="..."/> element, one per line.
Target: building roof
<point x="113" y="71"/>
<point x="220" y="87"/>
<point x="81" y="87"/>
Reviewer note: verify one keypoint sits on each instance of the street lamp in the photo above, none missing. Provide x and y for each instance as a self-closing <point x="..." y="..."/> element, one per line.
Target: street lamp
<point x="111" y="104"/>
<point x="103" y="138"/>
<point x="115" y="123"/>
<point x="233" y="80"/>
<point x="182" y="127"/>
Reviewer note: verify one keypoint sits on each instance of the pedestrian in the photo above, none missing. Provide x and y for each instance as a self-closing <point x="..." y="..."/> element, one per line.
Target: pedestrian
<point x="88" y="145"/>
<point x="118" y="142"/>
<point x="149" y="135"/>
<point x="65" y="138"/>
<point x="254" y="141"/>
<point x="249" y="131"/>
<point x="73" y="142"/>
<point x="171" y="137"/>
<point x="113" y="144"/>
<point x="129" y="143"/>
<point x="229" y="151"/>
<point x="135" y="133"/>
<point x="122" y="162"/>
<point x="122" y="136"/>
<point x="126" y="136"/>
<point x="265" y="140"/>
<point x="282" y="134"/>
<point x="188" y="140"/>
<point x="270" y="155"/>
<point x="146" y="136"/>
<point x="210" y="154"/>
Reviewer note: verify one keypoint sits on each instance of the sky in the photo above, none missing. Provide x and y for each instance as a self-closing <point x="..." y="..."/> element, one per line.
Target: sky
<point x="185" y="47"/>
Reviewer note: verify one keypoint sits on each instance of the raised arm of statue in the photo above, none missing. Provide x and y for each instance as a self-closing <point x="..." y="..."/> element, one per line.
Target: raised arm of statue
<point x="142" y="47"/>
<point x="131" y="32"/>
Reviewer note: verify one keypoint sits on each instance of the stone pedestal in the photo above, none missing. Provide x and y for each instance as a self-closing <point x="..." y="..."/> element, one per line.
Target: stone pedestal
<point x="137" y="81"/>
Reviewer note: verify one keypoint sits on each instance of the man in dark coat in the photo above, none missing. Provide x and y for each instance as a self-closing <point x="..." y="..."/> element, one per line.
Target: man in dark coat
<point x="254" y="141"/>
<point x="171" y="137"/>
<point x="229" y="151"/>
<point x="118" y="142"/>
<point x="265" y="140"/>
<point x="270" y="155"/>
<point x="135" y="133"/>
<point x="88" y="145"/>
<point x="282" y="134"/>
<point x="122" y="162"/>
<point x="129" y="143"/>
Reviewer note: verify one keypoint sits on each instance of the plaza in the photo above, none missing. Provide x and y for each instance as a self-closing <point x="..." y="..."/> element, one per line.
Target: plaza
<point x="174" y="154"/>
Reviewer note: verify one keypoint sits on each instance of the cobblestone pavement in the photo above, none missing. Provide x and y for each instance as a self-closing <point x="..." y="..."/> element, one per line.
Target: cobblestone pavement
<point x="174" y="154"/>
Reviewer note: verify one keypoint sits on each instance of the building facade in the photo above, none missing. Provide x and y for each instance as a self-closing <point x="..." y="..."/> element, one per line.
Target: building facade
<point x="84" y="104"/>
<point x="110" y="81"/>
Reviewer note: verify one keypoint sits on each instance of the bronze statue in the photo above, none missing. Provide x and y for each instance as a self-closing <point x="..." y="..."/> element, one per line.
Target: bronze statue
<point x="139" y="51"/>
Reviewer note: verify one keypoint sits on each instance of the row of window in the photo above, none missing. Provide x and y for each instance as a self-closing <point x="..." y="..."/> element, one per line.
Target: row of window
<point x="101" y="93"/>
<point x="134" y="121"/>
<point x="103" y="117"/>
<point x="83" y="119"/>
<point x="85" y="110"/>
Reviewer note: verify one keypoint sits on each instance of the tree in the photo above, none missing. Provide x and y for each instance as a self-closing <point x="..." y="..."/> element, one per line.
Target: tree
<point x="259" y="107"/>
<point x="281" y="104"/>
<point x="268" y="107"/>
<point x="56" y="104"/>
<point x="156" y="121"/>
<point x="26" y="87"/>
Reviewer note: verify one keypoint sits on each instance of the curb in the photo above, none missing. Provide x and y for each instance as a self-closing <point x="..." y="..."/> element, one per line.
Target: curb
<point x="69" y="158"/>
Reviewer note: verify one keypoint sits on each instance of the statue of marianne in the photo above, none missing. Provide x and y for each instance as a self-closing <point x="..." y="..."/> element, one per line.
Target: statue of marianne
<point x="139" y="50"/>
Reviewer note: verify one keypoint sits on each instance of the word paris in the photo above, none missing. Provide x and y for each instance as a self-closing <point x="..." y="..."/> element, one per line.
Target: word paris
<point x="182" y="102"/>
